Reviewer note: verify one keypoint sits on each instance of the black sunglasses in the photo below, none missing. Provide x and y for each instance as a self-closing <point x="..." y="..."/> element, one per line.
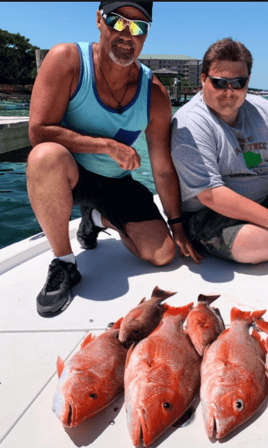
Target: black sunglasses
<point x="222" y="83"/>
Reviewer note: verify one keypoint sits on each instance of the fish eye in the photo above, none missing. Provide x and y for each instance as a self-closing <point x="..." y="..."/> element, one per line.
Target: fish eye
<point x="166" y="406"/>
<point x="239" y="405"/>
<point x="136" y="331"/>
<point x="93" y="395"/>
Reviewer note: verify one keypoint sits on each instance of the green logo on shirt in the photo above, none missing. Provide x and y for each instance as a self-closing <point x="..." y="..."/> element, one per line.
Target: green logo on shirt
<point x="252" y="160"/>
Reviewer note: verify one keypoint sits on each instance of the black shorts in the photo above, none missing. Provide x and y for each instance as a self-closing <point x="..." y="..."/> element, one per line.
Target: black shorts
<point x="119" y="200"/>
<point x="212" y="233"/>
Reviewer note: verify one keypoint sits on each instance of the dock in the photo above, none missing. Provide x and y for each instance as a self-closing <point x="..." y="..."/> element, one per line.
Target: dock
<point x="13" y="133"/>
<point x="180" y="95"/>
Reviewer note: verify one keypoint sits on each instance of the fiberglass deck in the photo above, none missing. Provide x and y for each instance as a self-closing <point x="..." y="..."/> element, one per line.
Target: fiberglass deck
<point x="114" y="281"/>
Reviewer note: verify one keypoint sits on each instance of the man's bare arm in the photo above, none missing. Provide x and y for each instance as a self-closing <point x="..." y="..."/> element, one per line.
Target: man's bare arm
<point x="231" y="204"/>
<point x="54" y="85"/>
<point x="165" y="176"/>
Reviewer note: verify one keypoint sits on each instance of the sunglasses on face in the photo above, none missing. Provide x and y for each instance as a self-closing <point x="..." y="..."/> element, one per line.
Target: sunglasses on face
<point x="222" y="83"/>
<point x="119" y="23"/>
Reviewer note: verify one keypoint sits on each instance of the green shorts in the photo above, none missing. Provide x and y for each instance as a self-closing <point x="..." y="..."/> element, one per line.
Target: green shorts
<point x="212" y="233"/>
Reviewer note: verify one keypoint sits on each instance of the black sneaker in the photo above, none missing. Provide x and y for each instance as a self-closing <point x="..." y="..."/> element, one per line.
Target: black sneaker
<point x="87" y="231"/>
<point x="56" y="294"/>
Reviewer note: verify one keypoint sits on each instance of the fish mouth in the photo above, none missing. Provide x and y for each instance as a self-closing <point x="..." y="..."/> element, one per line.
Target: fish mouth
<point x="68" y="419"/>
<point x="214" y="428"/>
<point x="144" y="436"/>
<point x="70" y="415"/>
<point x="211" y="421"/>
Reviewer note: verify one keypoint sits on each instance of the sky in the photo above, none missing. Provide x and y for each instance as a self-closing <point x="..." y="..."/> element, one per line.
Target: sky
<point x="187" y="28"/>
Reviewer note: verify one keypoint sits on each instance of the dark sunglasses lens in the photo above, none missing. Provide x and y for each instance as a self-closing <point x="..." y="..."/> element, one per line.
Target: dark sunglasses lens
<point x="219" y="83"/>
<point x="111" y="20"/>
<point x="239" y="83"/>
<point x="143" y="27"/>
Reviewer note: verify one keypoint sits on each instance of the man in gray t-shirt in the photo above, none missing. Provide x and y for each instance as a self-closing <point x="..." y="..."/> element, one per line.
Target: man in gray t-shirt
<point x="220" y="151"/>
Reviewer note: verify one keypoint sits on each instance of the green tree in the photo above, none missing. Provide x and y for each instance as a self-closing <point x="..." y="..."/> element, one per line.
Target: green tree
<point x="186" y="83"/>
<point x="17" y="59"/>
<point x="165" y="80"/>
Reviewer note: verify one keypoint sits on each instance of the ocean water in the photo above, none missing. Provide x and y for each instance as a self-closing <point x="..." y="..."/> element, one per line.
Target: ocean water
<point x="17" y="218"/>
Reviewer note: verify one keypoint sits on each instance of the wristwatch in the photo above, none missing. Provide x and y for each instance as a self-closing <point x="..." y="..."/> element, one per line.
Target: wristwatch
<point x="175" y="220"/>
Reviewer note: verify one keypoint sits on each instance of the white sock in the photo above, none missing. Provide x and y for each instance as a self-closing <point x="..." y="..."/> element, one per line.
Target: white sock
<point x="96" y="218"/>
<point x="70" y="258"/>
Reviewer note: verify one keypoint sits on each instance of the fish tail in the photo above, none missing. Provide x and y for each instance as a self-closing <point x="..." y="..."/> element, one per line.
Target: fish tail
<point x="261" y="325"/>
<point x="175" y="311"/>
<point x="237" y="314"/>
<point x="159" y="294"/>
<point x="248" y="316"/>
<point x="117" y="324"/>
<point x="207" y="299"/>
<point x="262" y="343"/>
<point x="258" y="314"/>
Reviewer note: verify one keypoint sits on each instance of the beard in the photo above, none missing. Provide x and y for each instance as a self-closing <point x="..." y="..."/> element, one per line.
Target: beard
<point x="120" y="54"/>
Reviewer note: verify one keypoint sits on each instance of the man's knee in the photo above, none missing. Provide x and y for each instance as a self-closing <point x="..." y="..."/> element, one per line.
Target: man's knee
<point x="47" y="153"/>
<point x="48" y="158"/>
<point x="159" y="256"/>
<point x="153" y="241"/>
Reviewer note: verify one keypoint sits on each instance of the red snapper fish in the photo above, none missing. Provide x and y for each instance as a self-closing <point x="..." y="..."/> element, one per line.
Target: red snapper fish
<point x="91" y="379"/>
<point x="204" y="323"/>
<point x="144" y="318"/>
<point x="162" y="377"/>
<point x="234" y="379"/>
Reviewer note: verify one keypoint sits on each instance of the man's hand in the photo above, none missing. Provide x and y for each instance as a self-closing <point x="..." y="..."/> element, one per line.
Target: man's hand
<point x="126" y="156"/>
<point x="185" y="246"/>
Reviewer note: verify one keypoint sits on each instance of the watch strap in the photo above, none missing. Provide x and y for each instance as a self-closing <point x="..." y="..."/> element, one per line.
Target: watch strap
<point x="175" y="220"/>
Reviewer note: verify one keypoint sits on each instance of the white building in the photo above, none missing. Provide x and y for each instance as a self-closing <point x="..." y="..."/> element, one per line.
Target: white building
<point x="186" y="66"/>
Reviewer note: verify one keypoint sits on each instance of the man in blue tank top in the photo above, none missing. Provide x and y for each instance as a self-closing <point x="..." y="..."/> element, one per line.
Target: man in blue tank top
<point x="89" y="104"/>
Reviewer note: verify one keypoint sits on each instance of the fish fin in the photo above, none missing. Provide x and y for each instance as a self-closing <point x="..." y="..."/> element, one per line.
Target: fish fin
<point x="258" y="314"/>
<point x="265" y="366"/>
<point x="142" y="300"/>
<point x="130" y="350"/>
<point x="262" y="325"/>
<point x="135" y="313"/>
<point x="219" y="316"/>
<point x="117" y="324"/>
<point x="207" y="299"/>
<point x="159" y="294"/>
<point x="257" y="336"/>
<point x="60" y="366"/>
<point x="182" y="310"/>
<point x="241" y="315"/>
<point x="89" y="338"/>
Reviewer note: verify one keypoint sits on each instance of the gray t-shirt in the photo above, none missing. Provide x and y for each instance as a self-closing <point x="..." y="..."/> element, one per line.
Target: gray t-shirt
<point x="208" y="153"/>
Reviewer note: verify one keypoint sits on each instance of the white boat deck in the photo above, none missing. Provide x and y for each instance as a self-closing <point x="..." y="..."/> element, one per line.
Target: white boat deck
<point x="114" y="281"/>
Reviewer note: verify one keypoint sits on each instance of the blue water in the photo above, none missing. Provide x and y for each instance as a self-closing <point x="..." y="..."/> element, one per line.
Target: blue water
<point x="17" y="218"/>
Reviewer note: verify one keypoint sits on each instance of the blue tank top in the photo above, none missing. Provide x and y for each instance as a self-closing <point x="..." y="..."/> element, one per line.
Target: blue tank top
<point x="87" y="114"/>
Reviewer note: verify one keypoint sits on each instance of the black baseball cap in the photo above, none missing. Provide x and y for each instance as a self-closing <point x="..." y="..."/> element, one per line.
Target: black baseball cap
<point x="144" y="7"/>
